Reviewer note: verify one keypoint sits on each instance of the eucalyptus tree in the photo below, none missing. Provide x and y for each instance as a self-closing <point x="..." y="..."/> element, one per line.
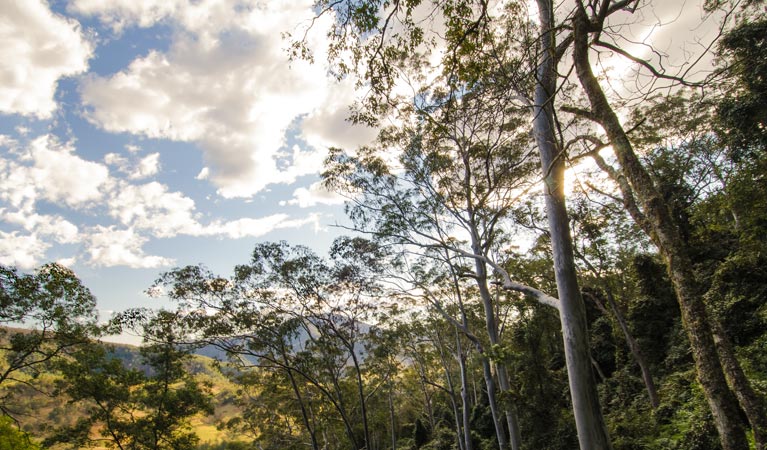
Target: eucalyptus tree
<point x="603" y="242"/>
<point x="647" y="205"/>
<point x="521" y="60"/>
<point x="146" y="408"/>
<point x="437" y="285"/>
<point x="59" y="315"/>
<point x="384" y="34"/>
<point x="294" y="313"/>
<point x="464" y="159"/>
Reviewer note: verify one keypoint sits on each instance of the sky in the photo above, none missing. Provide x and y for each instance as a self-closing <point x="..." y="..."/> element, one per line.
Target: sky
<point x="138" y="136"/>
<point x="141" y="135"/>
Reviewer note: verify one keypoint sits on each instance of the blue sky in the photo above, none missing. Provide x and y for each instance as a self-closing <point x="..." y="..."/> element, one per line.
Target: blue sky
<point x="140" y="135"/>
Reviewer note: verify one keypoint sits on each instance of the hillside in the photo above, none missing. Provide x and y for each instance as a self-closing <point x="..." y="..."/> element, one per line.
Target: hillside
<point x="35" y="397"/>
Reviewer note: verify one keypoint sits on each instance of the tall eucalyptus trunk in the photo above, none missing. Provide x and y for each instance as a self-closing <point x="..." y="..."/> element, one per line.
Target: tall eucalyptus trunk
<point x="670" y="244"/>
<point x="592" y="433"/>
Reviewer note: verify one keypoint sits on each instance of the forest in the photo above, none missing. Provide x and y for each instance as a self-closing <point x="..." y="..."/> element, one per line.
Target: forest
<point x="537" y="256"/>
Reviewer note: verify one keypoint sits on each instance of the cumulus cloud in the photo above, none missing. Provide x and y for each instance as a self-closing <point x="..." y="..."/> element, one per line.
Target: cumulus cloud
<point x="328" y="125"/>
<point x="123" y="12"/>
<point x="249" y="227"/>
<point x="135" y="169"/>
<point x="39" y="48"/>
<point x="61" y="175"/>
<point x="21" y="250"/>
<point x="110" y="246"/>
<point x="67" y="262"/>
<point x="154" y="208"/>
<point x="316" y="194"/>
<point x="53" y="226"/>
<point x="50" y="170"/>
<point x="146" y="167"/>
<point x="128" y="213"/>
<point x="225" y="84"/>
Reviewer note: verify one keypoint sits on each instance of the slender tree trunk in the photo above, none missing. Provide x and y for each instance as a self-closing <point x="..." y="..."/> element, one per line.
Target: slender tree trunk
<point x="465" y="399"/>
<point x="361" y="393"/>
<point x="450" y="388"/>
<point x="748" y="399"/>
<point x="670" y="245"/>
<point x="424" y="386"/>
<point x="511" y="413"/>
<point x="632" y="344"/>
<point x="500" y="434"/>
<point x="592" y="433"/>
<point x="341" y="407"/>
<point x="392" y="420"/>
<point x="304" y="414"/>
<point x="492" y="332"/>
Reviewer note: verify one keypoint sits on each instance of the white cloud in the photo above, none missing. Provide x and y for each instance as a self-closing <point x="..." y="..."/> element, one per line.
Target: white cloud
<point x="46" y="169"/>
<point x="146" y="167"/>
<point x="109" y="246"/>
<point x="152" y="207"/>
<point x="62" y="176"/>
<point x="23" y="251"/>
<point x="51" y="170"/>
<point x="225" y="84"/>
<point x="53" y="226"/>
<point x="316" y="194"/>
<point x="67" y="262"/>
<point x="117" y="160"/>
<point x="135" y="170"/>
<point x="327" y="126"/>
<point x="9" y="142"/>
<point x="39" y="48"/>
<point x="120" y="13"/>
<point x="249" y="227"/>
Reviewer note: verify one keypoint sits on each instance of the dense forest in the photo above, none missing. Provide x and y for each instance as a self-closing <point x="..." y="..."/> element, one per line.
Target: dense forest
<point x="537" y="256"/>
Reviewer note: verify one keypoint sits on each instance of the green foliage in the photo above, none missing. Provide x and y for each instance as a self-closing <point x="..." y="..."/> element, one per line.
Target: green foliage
<point x="421" y="434"/>
<point x="742" y="113"/>
<point x="60" y="316"/>
<point x="140" y="409"/>
<point x="11" y="438"/>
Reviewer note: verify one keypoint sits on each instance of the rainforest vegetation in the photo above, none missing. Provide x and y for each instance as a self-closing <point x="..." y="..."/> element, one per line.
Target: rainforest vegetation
<point x="538" y="256"/>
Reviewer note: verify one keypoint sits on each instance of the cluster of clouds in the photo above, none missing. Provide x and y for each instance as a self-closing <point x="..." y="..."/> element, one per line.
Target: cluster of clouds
<point x="47" y="171"/>
<point x="223" y="84"/>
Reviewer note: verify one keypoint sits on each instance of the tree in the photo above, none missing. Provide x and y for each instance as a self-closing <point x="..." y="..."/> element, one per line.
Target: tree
<point x="61" y="314"/>
<point x="471" y="43"/>
<point x="585" y="28"/>
<point x="463" y="163"/>
<point x="136" y="409"/>
<point x="11" y="438"/>
<point x="639" y="190"/>
<point x="292" y="312"/>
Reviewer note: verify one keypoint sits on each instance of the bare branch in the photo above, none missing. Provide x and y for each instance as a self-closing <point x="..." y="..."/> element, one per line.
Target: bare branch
<point x="648" y="66"/>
